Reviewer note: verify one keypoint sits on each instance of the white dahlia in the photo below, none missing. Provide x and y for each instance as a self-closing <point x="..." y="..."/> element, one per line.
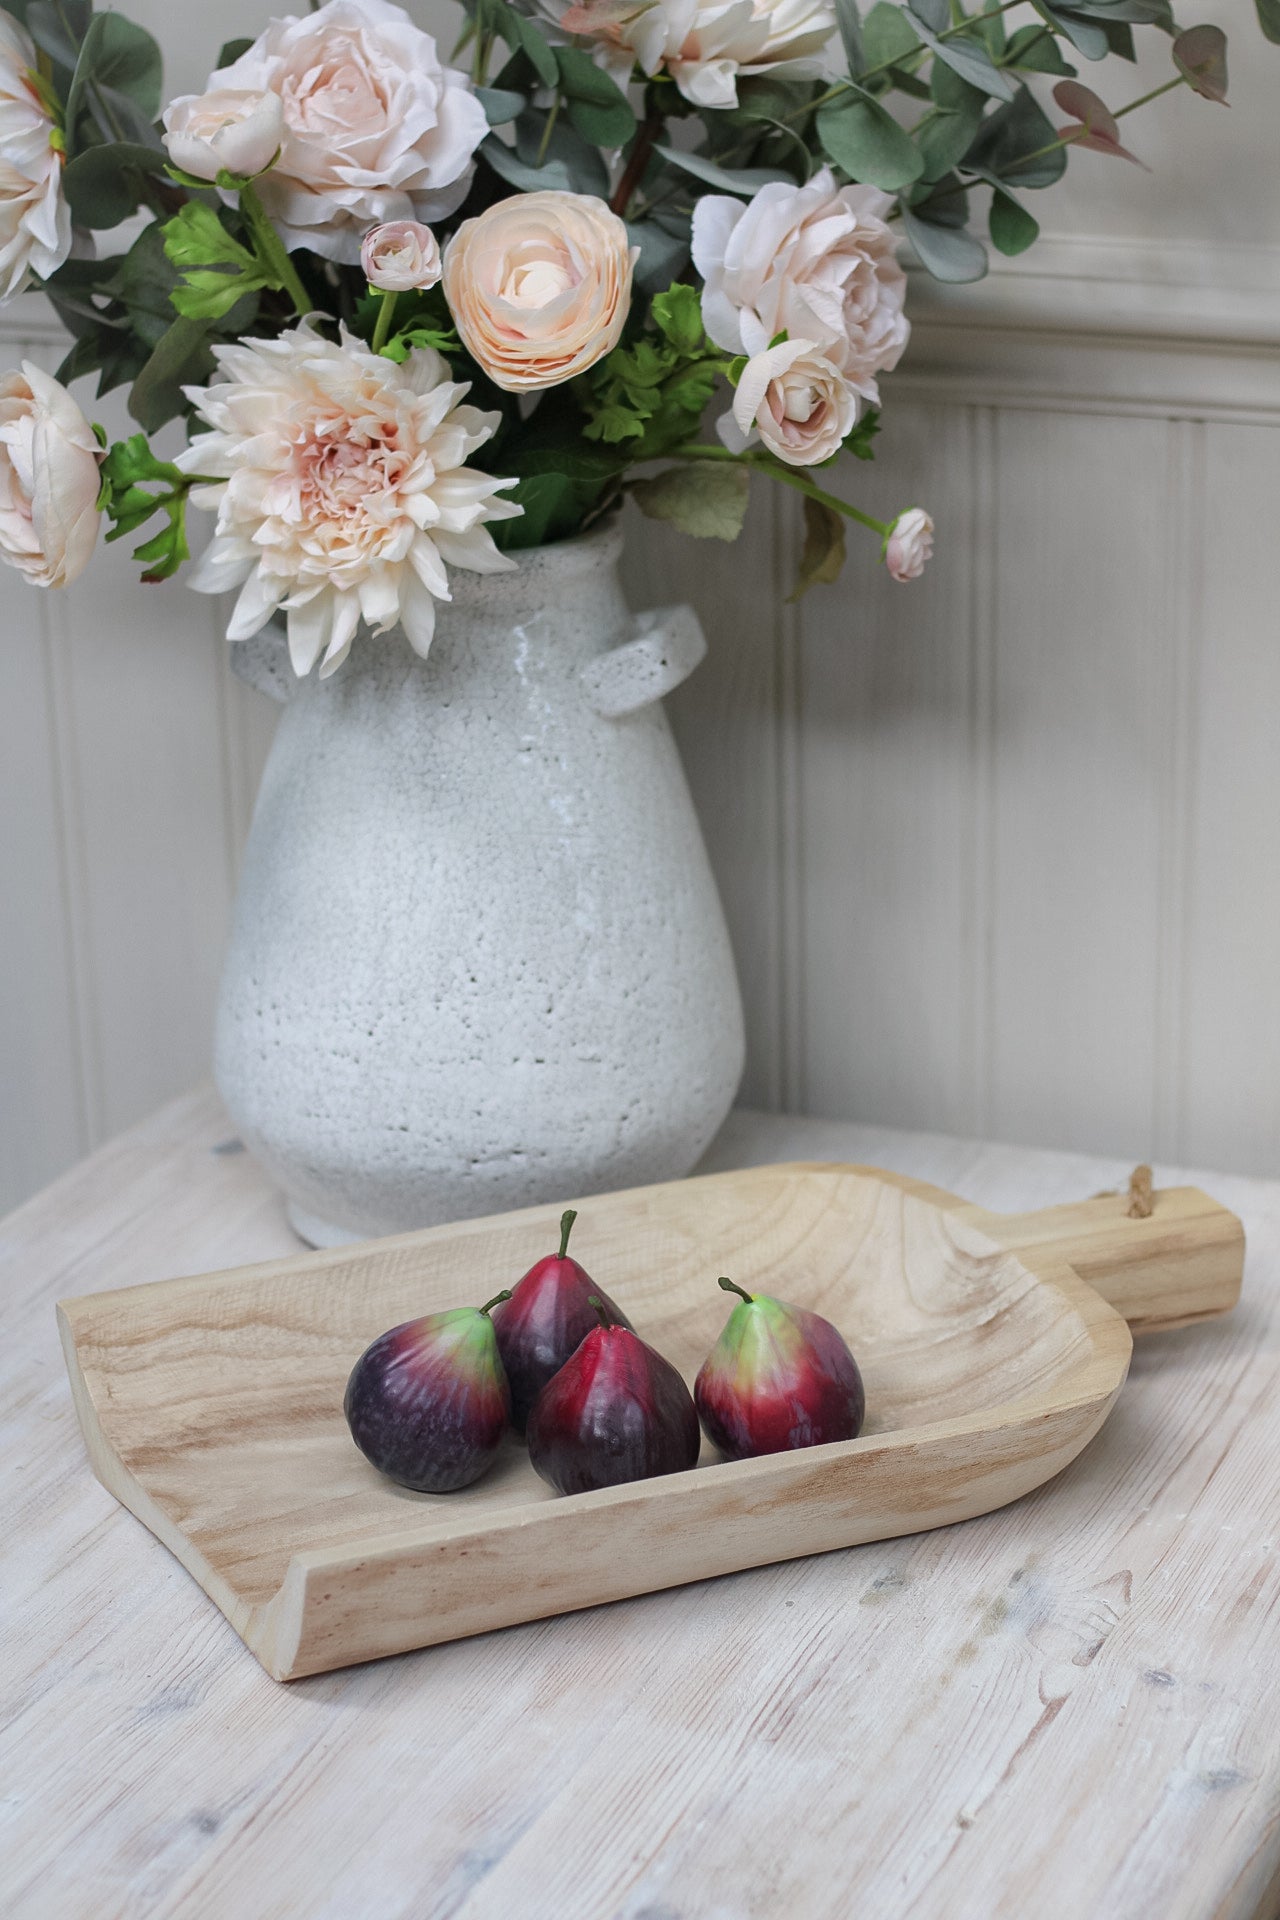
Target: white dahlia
<point x="342" y="491"/>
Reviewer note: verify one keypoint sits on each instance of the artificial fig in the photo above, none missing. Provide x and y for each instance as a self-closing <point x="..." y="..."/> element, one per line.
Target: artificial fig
<point x="778" y="1377"/>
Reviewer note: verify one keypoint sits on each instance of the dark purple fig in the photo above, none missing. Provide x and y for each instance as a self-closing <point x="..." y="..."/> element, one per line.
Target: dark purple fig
<point x="428" y="1402"/>
<point x="548" y="1315"/>
<point x="616" y="1411"/>
<point x="777" y="1377"/>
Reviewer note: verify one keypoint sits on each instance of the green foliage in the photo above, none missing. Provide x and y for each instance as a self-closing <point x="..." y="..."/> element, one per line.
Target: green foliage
<point x="863" y="138"/>
<point x="232" y="50"/>
<point x="597" y="106"/>
<point x="1269" y="19"/>
<point x="1012" y="228"/>
<point x="115" y="87"/>
<point x="105" y="183"/>
<point x="128" y="471"/>
<point x="649" y="394"/>
<point x="705" y="498"/>
<point x="965" y="56"/>
<point x="216" y="270"/>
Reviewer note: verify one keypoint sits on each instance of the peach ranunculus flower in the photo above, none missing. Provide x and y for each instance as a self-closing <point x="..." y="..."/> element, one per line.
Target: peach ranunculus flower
<point x="909" y="545"/>
<point x="539" y="287"/>
<point x="816" y="262"/>
<point x="344" y="492"/>
<point x="399" y="256"/>
<point x="49" y="481"/>
<point x="376" y="128"/>
<point x="703" y="44"/>
<point x="229" y="130"/>
<point x="35" y="221"/>
<point x="798" y="402"/>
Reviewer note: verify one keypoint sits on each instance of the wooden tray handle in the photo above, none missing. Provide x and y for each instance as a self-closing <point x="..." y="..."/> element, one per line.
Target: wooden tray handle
<point x="1181" y="1264"/>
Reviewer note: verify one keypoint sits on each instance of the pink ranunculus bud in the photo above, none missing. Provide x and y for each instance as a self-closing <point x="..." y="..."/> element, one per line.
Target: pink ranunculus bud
<point x="399" y="256"/>
<point x="910" y="544"/>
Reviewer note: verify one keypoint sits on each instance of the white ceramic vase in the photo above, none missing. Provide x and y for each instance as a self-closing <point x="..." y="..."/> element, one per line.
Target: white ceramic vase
<point x="478" y="959"/>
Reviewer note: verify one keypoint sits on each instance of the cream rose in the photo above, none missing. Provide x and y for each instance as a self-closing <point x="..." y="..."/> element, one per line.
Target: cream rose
<point x="816" y="262"/>
<point x="705" y="45"/>
<point x="399" y="256"/>
<point x="539" y="287"/>
<point x="49" y="481"/>
<point x="227" y="130"/>
<point x="35" y="221"/>
<point x="796" y="400"/>
<point x="910" y="544"/>
<point x="376" y="128"/>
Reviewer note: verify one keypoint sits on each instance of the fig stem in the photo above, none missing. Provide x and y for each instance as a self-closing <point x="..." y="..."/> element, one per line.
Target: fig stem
<point x="594" y="1300"/>
<point x="731" y="1286"/>
<point x="567" y="1219"/>
<point x="496" y="1301"/>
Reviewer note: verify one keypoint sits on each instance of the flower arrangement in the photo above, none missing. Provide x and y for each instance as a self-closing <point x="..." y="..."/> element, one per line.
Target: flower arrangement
<point x="416" y="315"/>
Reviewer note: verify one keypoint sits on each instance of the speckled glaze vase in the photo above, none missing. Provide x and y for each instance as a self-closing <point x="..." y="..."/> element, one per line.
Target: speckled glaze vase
<point x="478" y="959"/>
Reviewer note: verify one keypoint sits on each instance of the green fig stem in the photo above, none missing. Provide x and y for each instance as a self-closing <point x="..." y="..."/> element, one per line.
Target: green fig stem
<point x="496" y="1301"/>
<point x="731" y="1286"/>
<point x="594" y="1300"/>
<point x="567" y="1219"/>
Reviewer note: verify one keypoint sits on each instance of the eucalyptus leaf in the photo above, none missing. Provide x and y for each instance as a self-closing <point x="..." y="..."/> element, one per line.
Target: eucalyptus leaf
<point x="849" y="21"/>
<point x="102" y="184"/>
<point x="1012" y="228"/>
<point x="1200" y="55"/>
<point x="181" y="357"/>
<point x="663" y="254"/>
<point x="231" y="52"/>
<point x="117" y="54"/>
<point x="948" y="253"/>
<point x="966" y="57"/>
<point x="575" y="168"/>
<point x="946" y="137"/>
<point x="1138" y="13"/>
<point x="499" y="104"/>
<point x="1269" y="19"/>
<point x="707" y="498"/>
<point x="1034" y="50"/>
<point x="887" y="36"/>
<point x="936" y="15"/>
<point x="58" y="27"/>
<point x="866" y="142"/>
<point x="519" y="32"/>
<point x="744" y="181"/>
<point x="1086" y="36"/>
<point x="1009" y="134"/>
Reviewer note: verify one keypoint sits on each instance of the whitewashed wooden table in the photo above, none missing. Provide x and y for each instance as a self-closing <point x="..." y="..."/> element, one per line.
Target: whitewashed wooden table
<point x="1069" y="1710"/>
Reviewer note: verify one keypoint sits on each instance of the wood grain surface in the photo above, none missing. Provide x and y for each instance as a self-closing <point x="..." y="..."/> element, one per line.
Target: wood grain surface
<point x="1068" y="1709"/>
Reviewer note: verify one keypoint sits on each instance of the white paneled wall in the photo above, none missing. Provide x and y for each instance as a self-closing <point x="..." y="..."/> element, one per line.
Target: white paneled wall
<point x="1000" y="851"/>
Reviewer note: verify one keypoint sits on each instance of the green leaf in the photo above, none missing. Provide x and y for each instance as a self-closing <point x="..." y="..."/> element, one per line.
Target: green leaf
<point x="1269" y="19"/>
<point x="117" y="55"/>
<point x="822" y="556"/>
<point x="947" y="252"/>
<point x="232" y="51"/>
<point x="744" y="181"/>
<point x="57" y="27"/>
<point x="887" y="36"/>
<point x="664" y="250"/>
<point x="866" y="142"/>
<point x="967" y="58"/>
<point x="946" y="136"/>
<point x="216" y="270"/>
<point x="1086" y="36"/>
<point x="522" y="34"/>
<point x="1034" y="50"/>
<point x="936" y="15"/>
<point x="103" y="184"/>
<point x="705" y="498"/>
<point x="1011" y="133"/>
<point x="1012" y="228"/>
<point x="181" y="357"/>
<point x="677" y="314"/>
<point x="500" y="105"/>
<point x="129" y="468"/>
<point x="849" y="21"/>
<point x="571" y="166"/>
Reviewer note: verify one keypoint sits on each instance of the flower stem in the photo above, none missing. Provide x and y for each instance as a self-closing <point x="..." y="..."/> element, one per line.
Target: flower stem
<point x="633" y="172"/>
<point x="271" y="250"/>
<point x="382" y="325"/>
<point x="791" y="477"/>
<point x="547" y="131"/>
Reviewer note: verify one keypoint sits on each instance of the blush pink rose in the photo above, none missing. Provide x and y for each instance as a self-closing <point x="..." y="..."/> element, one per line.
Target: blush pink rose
<point x="49" y="481"/>
<point x="540" y="287"/>
<point x="224" y="131"/>
<point x="910" y="545"/>
<point x="399" y="256"/>
<point x="796" y="400"/>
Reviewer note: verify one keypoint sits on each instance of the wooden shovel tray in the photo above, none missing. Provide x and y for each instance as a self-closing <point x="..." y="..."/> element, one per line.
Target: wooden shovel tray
<point x="993" y="1347"/>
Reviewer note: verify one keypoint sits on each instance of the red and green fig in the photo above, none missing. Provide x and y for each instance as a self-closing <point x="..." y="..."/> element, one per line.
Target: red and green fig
<point x="547" y="1317"/>
<point x="428" y="1402"/>
<point x="616" y="1411"/>
<point x="778" y="1377"/>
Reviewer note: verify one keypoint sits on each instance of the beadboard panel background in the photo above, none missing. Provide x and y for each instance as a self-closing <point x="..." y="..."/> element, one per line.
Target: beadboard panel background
<point x="1000" y="851"/>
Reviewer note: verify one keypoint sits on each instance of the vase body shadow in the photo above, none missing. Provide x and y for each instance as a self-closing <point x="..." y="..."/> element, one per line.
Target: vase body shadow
<point x="478" y="960"/>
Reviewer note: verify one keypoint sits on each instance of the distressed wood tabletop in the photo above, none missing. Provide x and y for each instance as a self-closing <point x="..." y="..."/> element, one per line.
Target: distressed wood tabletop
<point x="1067" y="1710"/>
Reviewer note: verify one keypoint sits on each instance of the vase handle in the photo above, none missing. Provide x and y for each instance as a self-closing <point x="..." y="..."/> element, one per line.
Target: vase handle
<point x="669" y="644"/>
<point x="262" y="662"/>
